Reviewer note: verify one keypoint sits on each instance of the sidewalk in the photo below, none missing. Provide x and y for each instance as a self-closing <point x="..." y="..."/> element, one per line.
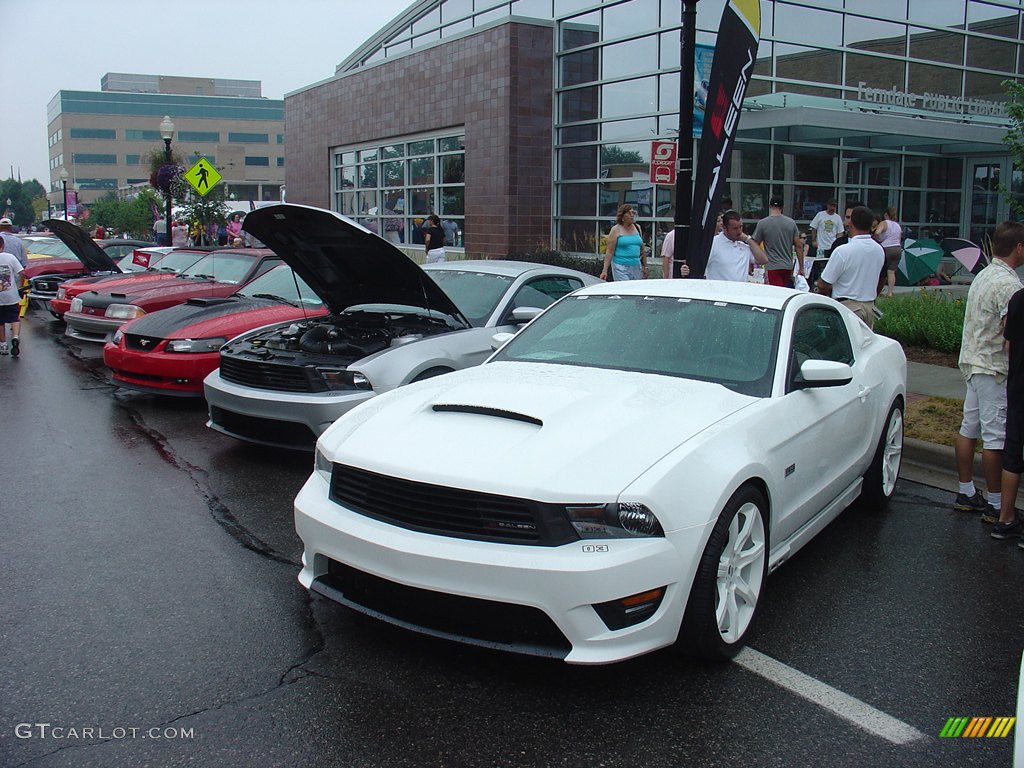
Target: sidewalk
<point x="928" y="463"/>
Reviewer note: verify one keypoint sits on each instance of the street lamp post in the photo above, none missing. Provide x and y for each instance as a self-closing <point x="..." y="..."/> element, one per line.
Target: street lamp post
<point x="64" y="183"/>
<point x="167" y="133"/>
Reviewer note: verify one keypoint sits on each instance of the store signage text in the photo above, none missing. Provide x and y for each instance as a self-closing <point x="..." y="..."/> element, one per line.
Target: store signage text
<point x="935" y="102"/>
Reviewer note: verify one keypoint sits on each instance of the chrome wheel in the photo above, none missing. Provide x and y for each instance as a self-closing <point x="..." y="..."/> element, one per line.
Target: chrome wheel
<point x="741" y="569"/>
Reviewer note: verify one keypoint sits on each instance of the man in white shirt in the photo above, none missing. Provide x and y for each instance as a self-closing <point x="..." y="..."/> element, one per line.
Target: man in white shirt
<point x="851" y="275"/>
<point x="11" y="242"/>
<point x="733" y="252"/>
<point x="825" y="227"/>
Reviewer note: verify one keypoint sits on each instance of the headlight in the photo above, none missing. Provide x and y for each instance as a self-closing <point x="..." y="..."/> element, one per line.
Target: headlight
<point x="613" y="521"/>
<point x="340" y="379"/>
<point x="196" y="345"/>
<point x="322" y="465"/>
<point x="124" y="312"/>
<point x="61" y="293"/>
<point x="76" y="305"/>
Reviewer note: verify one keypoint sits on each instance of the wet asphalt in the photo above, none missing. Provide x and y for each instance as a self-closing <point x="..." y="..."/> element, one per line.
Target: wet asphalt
<point x="148" y="569"/>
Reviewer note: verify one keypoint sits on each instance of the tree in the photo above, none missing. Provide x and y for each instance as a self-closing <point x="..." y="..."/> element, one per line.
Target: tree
<point x="132" y="216"/>
<point x="206" y="209"/>
<point x="21" y="195"/>
<point x="1014" y="139"/>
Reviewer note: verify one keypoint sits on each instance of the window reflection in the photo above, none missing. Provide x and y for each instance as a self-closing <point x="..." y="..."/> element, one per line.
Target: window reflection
<point x="630" y="19"/>
<point x="810" y="26"/>
<point x="944" y="13"/>
<point x="941" y="46"/>
<point x="632" y="57"/>
<point x="632" y="97"/>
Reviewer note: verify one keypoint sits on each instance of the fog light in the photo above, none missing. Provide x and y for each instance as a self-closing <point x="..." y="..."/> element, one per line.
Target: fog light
<point x="628" y="611"/>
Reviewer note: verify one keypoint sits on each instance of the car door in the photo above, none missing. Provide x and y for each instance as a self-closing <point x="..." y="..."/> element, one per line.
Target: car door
<point x="539" y="292"/>
<point x="815" y="453"/>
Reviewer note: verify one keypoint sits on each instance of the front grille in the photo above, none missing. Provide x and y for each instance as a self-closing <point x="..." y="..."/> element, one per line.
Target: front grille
<point x="261" y="375"/>
<point x="507" y="626"/>
<point x="141" y="343"/>
<point x="447" y="511"/>
<point x="270" y="431"/>
<point x="46" y="285"/>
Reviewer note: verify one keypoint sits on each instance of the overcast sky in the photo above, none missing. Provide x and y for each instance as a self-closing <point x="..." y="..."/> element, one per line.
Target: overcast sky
<point x="70" y="44"/>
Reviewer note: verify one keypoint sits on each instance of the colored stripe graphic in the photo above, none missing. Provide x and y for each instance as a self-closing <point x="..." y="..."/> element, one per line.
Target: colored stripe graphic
<point x="977" y="727"/>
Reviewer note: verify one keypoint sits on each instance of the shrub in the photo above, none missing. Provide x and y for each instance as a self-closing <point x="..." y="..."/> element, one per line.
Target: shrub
<point x="923" y="319"/>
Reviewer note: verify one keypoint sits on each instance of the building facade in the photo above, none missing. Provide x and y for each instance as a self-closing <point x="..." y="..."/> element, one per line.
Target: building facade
<point x="895" y="103"/>
<point x="103" y="139"/>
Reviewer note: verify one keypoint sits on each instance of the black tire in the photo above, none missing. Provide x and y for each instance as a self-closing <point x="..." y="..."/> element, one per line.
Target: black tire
<point x="880" y="479"/>
<point x="430" y="373"/>
<point x="709" y="630"/>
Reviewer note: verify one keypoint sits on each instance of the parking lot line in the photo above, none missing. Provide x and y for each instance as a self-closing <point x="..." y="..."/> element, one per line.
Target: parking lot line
<point x="845" y="706"/>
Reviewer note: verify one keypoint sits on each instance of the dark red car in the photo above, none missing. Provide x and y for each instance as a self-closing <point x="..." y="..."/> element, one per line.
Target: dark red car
<point x="96" y="314"/>
<point x="169" y="265"/>
<point x="170" y="352"/>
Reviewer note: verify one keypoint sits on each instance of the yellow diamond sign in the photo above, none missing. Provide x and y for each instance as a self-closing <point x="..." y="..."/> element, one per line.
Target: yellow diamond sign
<point x="202" y="176"/>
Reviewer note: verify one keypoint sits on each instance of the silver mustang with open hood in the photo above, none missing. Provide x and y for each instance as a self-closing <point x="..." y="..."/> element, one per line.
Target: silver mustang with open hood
<point x="391" y="322"/>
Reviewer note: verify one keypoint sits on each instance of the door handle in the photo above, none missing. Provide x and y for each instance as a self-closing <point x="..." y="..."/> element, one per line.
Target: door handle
<point x="863" y="393"/>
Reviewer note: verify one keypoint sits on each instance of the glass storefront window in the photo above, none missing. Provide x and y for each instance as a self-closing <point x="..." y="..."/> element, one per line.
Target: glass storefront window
<point x="580" y="31"/>
<point x="393" y="174"/>
<point x="368" y="175"/>
<point x="421" y="200"/>
<point x="421" y="170"/>
<point x="367" y="155"/>
<point x="393" y="150"/>
<point x="633" y="57"/>
<point x="577" y="162"/>
<point x="578" y="104"/>
<point x="630" y="97"/>
<point x="992" y="19"/>
<point x="630" y="19"/>
<point x="924" y="78"/>
<point x="578" y="133"/>
<point x="877" y="36"/>
<point x="453" y="169"/>
<point x="980" y="86"/>
<point x="453" y="201"/>
<point x="874" y="72"/>
<point x="945" y="46"/>
<point x="537" y="9"/>
<point x="451" y="144"/>
<point x="630" y="161"/>
<point x="943" y="13"/>
<point x="795" y="62"/>
<point x="991" y="54"/>
<point x="629" y="129"/>
<point x="577" y="236"/>
<point x="421" y="147"/>
<point x="580" y="67"/>
<point x="576" y="199"/>
<point x="808" y="26"/>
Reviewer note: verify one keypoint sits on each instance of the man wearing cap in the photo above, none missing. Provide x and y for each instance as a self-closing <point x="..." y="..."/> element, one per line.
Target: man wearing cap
<point x="12" y="243"/>
<point x="851" y="275"/>
<point x="779" y="236"/>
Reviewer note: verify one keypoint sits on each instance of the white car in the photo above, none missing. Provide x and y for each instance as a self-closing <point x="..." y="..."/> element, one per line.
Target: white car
<point x="622" y="474"/>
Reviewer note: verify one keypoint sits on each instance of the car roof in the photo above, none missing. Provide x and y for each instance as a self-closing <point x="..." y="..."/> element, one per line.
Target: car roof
<point x="753" y="294"/>
<point x="507" y="268"/>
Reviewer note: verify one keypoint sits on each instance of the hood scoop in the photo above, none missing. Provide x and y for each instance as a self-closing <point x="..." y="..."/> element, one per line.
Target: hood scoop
<point x="483" y="410"/>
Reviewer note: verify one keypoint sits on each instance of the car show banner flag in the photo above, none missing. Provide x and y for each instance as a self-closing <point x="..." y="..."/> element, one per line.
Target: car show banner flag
<point x="731" y="68"/>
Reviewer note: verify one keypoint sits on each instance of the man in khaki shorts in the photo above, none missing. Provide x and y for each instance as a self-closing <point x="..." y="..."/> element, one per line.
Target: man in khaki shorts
<point x="984" y="363"/>
<point x="851" y="275"/>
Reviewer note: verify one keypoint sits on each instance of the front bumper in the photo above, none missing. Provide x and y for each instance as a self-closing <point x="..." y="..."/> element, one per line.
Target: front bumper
<point x="168" y="373"/>
<point x="91" y="328"/>
<point x="563" y="583"/>
<point x="280" y="419"/>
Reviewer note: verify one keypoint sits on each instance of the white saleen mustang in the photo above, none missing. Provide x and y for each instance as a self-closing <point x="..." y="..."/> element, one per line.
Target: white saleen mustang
<point x="621" y="475"/>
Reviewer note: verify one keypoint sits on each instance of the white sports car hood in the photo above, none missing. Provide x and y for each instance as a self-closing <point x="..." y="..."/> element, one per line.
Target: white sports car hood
<point x="548" y="432"/>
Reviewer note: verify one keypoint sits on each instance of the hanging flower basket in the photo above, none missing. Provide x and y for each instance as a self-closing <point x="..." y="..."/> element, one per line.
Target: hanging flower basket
<point x="166" y="175"/>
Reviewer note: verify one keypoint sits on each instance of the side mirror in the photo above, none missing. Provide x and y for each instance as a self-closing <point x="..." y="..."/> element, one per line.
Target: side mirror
<point x="823" y="373"/>
<point x="522" y="315"/>
<point x="498" y="339"/>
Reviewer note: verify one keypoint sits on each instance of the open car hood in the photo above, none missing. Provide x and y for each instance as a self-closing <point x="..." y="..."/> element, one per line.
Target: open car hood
<point x="78" y="240"/>
<point x="345" y="263"/>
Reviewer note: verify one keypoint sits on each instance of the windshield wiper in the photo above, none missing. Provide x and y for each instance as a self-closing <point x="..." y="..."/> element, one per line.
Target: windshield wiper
<point x="212" y="278"/>
<point x="273" y="297"/>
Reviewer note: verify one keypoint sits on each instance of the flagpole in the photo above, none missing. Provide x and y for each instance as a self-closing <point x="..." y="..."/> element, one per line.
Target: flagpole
<point x="684" y="176"/>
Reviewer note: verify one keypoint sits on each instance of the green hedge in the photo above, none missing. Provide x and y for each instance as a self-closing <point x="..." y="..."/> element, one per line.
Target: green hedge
<point x="926" y="319"/>
<point x="591" y="265"/>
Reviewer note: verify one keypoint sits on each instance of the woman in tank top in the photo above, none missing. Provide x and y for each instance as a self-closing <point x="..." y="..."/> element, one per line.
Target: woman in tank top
<point x="889" y="235"/>
<point x="625" y="254"/>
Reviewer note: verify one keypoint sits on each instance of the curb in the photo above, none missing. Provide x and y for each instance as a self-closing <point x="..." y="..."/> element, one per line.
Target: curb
<point x="935" y="465"/>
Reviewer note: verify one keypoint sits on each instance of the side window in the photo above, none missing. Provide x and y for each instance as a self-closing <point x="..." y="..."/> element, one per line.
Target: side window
<point x="819" y="333"/>
<point x="541" y="293"/>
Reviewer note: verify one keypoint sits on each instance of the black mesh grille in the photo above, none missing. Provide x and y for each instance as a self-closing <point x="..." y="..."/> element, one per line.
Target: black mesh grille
<point x="279" y="378"/>
<point x="269" y="431"/>
<point x="449" y="511"/>
<point x="511" y="627"/>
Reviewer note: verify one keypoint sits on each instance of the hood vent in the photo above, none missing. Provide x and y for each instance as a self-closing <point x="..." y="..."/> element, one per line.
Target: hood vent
<point x="485" y="411"/>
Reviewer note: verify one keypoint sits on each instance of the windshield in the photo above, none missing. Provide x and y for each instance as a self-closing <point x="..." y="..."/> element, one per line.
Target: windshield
<point x="176" y="261"/>
<point x="223" y="267"/>
<point x="730" y="344"/>
<point x="476" y="294"/>
<point x="281" y="282"/>
<point x="49" y="248"/>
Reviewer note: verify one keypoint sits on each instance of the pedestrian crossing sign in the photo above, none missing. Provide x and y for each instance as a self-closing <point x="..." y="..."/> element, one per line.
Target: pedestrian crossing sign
<point x="202" y="176"/>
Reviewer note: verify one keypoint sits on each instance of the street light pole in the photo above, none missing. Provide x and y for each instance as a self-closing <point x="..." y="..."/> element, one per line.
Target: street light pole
<point x="684" y="177"/>
<point x="64" y="183"/>
<point x="167" y="133"/>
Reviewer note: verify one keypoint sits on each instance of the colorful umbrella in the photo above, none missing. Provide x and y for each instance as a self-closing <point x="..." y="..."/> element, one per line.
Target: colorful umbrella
<point x="920" y="259"/>
<point x="966" y="252"/>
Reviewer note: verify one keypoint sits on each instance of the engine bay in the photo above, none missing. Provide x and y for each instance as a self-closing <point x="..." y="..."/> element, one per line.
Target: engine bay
<point x="349" y="337"/>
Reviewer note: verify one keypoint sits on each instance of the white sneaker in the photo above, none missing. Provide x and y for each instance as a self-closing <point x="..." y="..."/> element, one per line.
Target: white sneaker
<point x="3" y="347"/>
